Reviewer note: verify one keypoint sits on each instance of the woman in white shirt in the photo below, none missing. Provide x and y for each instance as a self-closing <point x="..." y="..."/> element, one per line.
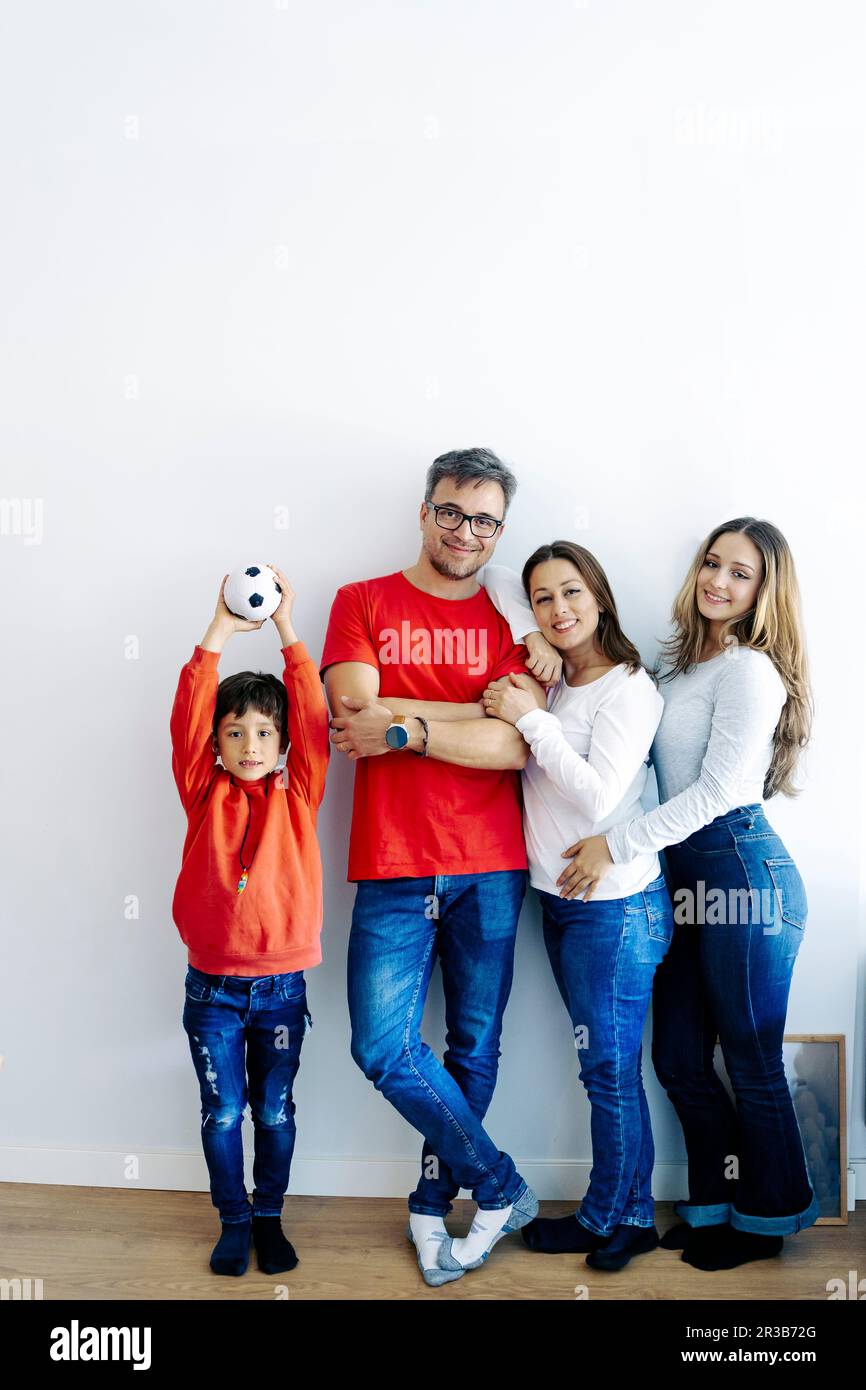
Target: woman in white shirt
<point x="586" y="774"/>
<point x="737" y="715"/>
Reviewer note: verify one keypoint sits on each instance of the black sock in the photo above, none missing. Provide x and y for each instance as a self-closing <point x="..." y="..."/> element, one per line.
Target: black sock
<point x="275" y="1253"/>
<point x="232" y="1251"/>
<point x="703" y="1242"/>
<point x="732" y="1248"/>
<point x="677" y="1237"/>
<point x="560" y="1235"/>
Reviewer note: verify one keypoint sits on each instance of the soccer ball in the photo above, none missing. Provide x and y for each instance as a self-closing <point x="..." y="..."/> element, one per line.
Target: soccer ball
<point x="252" y="592"/>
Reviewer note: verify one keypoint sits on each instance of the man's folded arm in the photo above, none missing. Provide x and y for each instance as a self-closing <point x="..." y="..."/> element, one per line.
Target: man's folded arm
<point x="470" y="742"/>
<point x="433" y="709"/>
<point x="473" y="743"/>
<point x="439" y="709"/>
<point x="356" y="679"/>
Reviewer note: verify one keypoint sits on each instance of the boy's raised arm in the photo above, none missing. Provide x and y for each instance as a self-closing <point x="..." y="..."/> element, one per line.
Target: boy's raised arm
<point x="191" y="723"/>
<point x="309" y="745"/>
<point x="192" y="756"/>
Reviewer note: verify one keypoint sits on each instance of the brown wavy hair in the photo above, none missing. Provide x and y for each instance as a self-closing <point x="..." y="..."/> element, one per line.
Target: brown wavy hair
<point x="609" y="635"/>
<point x="774" y="625"/>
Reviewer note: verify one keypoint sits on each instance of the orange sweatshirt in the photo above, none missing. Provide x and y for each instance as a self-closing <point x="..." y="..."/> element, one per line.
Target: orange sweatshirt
<point x="274" y="925"/>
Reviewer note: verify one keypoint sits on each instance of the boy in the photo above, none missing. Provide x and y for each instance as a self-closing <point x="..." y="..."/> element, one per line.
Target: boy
<point x="248" y="905"/>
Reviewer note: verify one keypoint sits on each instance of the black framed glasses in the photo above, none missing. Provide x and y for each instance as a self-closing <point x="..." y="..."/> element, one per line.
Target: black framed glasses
<point x="450" y="519"/>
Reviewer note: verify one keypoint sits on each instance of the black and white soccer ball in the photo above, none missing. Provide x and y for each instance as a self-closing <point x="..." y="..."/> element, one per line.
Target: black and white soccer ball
<point x="252" y="592"/>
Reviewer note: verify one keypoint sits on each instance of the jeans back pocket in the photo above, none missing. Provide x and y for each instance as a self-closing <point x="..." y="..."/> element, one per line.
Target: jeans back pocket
<point x="659" y="910"/>
<point x="789" y="890"/>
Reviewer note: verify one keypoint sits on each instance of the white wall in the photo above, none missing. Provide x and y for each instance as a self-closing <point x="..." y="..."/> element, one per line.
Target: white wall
<point x="271" y="255"/>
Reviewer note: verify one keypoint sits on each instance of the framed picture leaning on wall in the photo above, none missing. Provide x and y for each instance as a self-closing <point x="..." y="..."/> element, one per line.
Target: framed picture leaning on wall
<point x="815" y="1070"/>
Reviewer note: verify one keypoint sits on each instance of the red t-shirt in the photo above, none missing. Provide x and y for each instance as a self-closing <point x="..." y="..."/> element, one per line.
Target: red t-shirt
<point x="414" y="816"/>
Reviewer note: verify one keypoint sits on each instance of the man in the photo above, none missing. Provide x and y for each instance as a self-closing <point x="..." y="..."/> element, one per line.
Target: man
<point x="436" y="846"/>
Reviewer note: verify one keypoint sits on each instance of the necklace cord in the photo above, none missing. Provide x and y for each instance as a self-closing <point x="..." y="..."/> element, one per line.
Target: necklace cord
<point x="244" y="866"/>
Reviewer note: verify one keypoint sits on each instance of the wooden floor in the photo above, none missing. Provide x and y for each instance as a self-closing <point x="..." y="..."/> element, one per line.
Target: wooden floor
<point x="102" y="1243"/>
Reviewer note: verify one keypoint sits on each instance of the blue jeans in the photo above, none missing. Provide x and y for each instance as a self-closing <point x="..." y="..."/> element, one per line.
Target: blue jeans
<point x="604" y="955"/>
<point x="399" y="927"/>
<point x="265" y="1016"/>
<point x="740" y="911"/>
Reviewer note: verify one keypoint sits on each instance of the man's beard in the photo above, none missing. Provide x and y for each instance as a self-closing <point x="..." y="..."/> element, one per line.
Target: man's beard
<point x="446" y="563"/>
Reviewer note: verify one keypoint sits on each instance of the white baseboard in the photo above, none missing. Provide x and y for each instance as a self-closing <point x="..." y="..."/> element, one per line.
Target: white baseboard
<point x="859" y="1166"/>
<point x="320" y="1177"/>
<point x="317" y="1177"/>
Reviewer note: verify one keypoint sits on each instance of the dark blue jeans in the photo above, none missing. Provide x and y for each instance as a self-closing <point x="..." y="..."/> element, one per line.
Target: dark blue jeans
<point x="246" y="1028"/>
<point x="399" y="927"/>
<point x="740" y="912"/>
<point x="604" y="955"/>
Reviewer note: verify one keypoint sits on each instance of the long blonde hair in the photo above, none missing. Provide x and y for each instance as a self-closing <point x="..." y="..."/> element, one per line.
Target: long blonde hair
<point x="774" y="625"/>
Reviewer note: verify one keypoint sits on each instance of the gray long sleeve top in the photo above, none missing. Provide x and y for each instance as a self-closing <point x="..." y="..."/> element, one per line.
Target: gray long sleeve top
<point x="711" y="751"/>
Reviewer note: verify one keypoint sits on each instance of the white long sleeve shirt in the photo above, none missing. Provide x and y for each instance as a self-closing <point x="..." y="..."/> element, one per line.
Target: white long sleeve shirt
<point x="587" y="773"/>
<point x="589" y="749"/>
<point x="712" y="749"/>
<point x="505" y="591"/>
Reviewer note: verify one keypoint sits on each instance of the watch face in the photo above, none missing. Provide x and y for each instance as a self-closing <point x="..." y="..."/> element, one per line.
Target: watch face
<point x="396" y="736"/>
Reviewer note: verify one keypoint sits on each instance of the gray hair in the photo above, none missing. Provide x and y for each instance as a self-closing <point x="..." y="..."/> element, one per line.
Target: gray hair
<point x="471" y="466"/>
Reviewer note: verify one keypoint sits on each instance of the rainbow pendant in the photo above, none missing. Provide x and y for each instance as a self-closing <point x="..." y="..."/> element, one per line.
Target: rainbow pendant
<point x="242" y="881"/>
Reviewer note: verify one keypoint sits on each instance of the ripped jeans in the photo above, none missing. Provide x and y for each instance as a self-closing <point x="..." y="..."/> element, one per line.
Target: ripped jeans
<point x="246" y="1029"/>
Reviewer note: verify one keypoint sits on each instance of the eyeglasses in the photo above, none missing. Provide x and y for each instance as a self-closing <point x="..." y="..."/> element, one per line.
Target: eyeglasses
<point x="451" y="520"/>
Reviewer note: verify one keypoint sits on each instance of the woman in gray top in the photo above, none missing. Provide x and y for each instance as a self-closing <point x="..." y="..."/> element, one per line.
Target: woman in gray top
<point x="737" y="716"/>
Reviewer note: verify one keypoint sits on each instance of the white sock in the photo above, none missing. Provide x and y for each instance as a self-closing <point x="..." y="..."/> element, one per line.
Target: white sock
<point x="428" y="1233"/>
<point x="485" y="1226"/>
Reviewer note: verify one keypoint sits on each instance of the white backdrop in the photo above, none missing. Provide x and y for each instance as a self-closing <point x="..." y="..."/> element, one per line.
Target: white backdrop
<point x="262" y="263"/>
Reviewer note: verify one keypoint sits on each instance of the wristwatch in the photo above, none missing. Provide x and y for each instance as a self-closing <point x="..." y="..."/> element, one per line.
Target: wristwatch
<point x="396" y="734"/>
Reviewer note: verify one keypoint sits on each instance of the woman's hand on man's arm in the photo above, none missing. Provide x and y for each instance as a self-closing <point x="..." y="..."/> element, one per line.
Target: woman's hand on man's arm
<point x="512" y="696"/>
<point x="544" y="662"/>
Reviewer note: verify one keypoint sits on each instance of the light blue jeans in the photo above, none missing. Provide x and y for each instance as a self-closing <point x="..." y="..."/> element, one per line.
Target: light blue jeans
<point x="604" y="955"/>
<point x="399" y="927"/>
